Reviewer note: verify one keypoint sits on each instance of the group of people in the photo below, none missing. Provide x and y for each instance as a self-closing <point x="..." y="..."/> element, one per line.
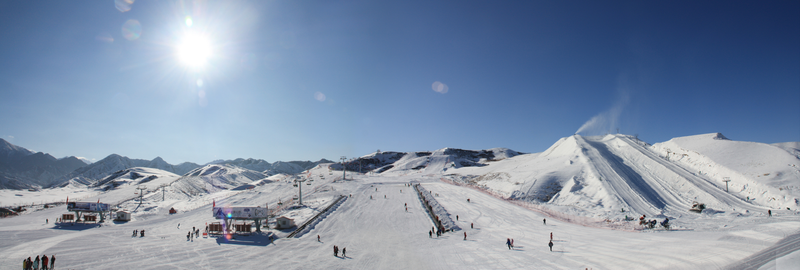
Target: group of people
<point x="27" y="264"/>
<point x="138" y="232"/>
<point x="336" y="251"/>
<point x="438" y="231"/>
<point x="194" y="233"/>
<point x="652" y="223"/>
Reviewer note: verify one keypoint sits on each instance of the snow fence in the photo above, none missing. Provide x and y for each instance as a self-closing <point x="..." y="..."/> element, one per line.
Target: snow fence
<point x="311" y="223"/>
<point x="438" y="214"/>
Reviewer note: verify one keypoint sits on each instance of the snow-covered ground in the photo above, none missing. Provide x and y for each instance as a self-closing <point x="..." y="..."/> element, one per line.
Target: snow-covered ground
<point x="379" y="234"/>
<point x="580" y="186"/>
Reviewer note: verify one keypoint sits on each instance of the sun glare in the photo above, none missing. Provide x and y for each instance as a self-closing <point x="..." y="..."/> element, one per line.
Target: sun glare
<point x="194" y="50"/>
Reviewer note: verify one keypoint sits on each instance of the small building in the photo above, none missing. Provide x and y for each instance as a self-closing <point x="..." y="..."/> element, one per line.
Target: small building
<point x="122" y="216"/>
<point x="284" y="223"/>
<point x="172" y="211"/>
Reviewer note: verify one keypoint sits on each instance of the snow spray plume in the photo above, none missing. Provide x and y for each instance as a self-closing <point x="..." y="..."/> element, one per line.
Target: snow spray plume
<point x="605" y="121"/>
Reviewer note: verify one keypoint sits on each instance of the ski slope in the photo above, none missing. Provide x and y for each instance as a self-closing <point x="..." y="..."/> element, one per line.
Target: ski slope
<point x="379" y="234"/>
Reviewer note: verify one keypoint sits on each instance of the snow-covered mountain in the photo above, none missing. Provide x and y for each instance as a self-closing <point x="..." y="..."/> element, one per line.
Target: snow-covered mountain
<point x="617" y="175"/>
<point x="22" y="168"/>
<point x="279" y="167"/>
<point x="436" y="161"/>
<point x="213" y="178"/>
<point x="114" y="163"/>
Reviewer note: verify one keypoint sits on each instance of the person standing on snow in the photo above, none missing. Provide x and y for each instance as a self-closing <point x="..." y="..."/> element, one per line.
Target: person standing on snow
<point x="52" y="261"/>
<point x="508" y="243"/>
<point x="544" y="221"/>
<point x="551" y="245"/>
<point x="36" y="263"/>
<point x="430" y="234"/>
<point x="769" y="212"/>
<point x="465" y="236"/>
<point x="344" y="251"/>
<point x="44" y="262"/>
<point x="551" y="236"/>
<point x="335" y="251"/>
<point x="318" y="238"/>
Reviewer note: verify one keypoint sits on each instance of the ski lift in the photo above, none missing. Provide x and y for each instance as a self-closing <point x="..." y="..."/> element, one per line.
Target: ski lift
<point x="308" y="183"/>
<point x="280" y="203"/>
<point x="295" y="184"/>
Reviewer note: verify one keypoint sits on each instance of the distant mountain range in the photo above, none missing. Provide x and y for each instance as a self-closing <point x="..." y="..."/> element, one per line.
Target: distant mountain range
<point x="21" y="168"/>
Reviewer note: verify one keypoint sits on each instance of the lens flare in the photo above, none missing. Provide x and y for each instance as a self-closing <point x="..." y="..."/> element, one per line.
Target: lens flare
<point x="188" y="21"/>
<point x="123" y="5"/>
<point x="319" y="96"/>
<point x="132" y="30"/>
<point x="439" y="87"/>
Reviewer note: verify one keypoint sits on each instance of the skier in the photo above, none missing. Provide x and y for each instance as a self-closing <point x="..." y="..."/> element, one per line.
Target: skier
<point x="370" y="197"/>
<point x="344" y="250"/>
<point x="512" y="242"/>
<point x="318" y="238"/>
<point x="406" y="205"/>
<point x="430" y="234"/>
<point x="406" y="208"/>
<point x="508" y="243"/>
<point x="465" y="236"/>
<point x="46" y="221"/>
<point x="134" y="233"/>
<point x="36" y="263"/>
<point x="470" y="226"/>
<point x="197" y="233"/>
<point x="335" y="251"/>
<point x="44" y="262"/>
<point x="141" y="233"/>
<point x="551" y="245"/>
<point x="188" y="235"/>
<point x="456" y="217"/>
<point x="769" y="212"/>
<point x="544" y="221"/>
<point x="52" y="261"/>
<point x="24" y="264"/>
<point x="467" y="199"/>
<point x="551" y="236"/>
<point x="179" y="225"/>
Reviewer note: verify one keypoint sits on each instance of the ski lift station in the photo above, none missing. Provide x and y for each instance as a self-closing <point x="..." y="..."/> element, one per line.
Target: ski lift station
<point x="239" y="213"/>
<point x="88" y="210"/>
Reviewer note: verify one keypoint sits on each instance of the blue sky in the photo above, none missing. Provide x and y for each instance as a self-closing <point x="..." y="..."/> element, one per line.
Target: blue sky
<point x="304" y="80"/>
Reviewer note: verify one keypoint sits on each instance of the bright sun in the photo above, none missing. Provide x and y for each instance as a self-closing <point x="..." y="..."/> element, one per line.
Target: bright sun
<point x="194" y="50"/>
